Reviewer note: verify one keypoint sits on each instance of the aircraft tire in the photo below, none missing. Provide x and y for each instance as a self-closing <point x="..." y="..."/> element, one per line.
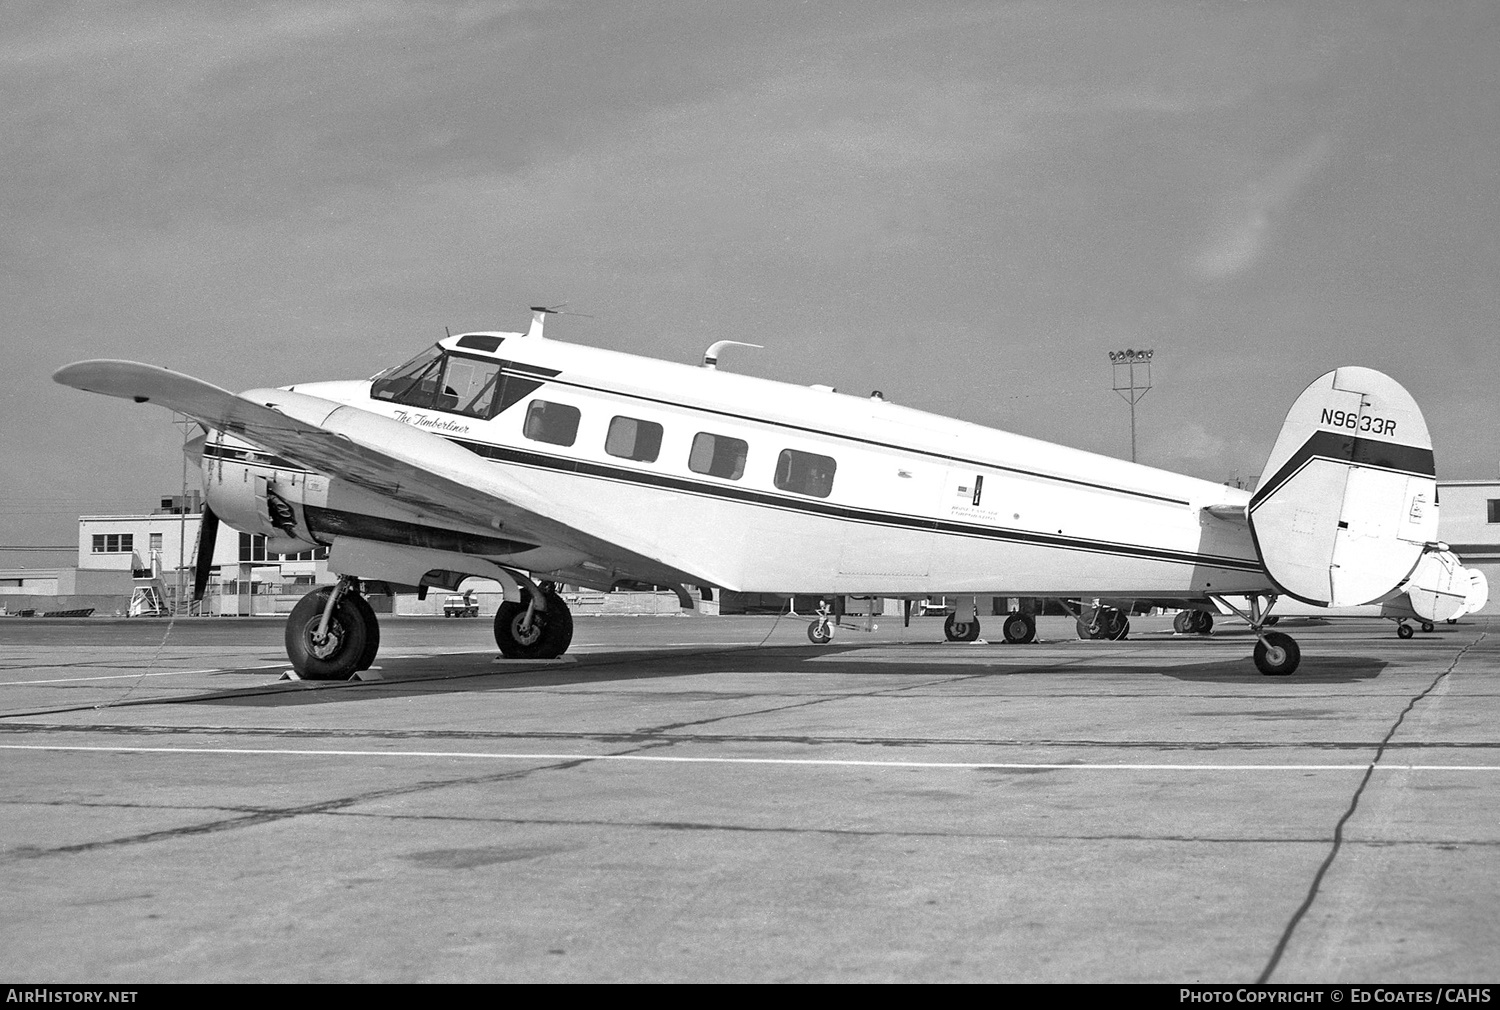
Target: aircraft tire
<point x="820" y="633"/>
<point x="1183" y="622"/>
<point x="1404" y="631"/>
<point x="961" y="631"/>
<point x="1116" y="625"/>
<point x="372" y="633"/>
<point x="550" y="634"/>
<point x="348" y="634"/>
<point x="1429" y="627"/>
<point x="1019" y="629"/>
<point x="1204" y="624"/>
<point x="1277" y="655"/>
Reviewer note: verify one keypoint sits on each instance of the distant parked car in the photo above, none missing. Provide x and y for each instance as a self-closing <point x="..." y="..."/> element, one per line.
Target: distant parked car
<point x="460" y="606"/>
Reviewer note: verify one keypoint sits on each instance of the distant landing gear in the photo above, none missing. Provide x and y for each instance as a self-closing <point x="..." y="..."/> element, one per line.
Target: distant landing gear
<point x="525" y="630"/>
<point x="1019" y="629"/>
<point x="820" y="631"/>
<point x="1103" y="623"/>
<point x="961" y="631"/>
<point x="332" y="633"/>
<point x="1404" y="631"/>
<point x="1195" y="622"/>
<point x="1429" y="627"/>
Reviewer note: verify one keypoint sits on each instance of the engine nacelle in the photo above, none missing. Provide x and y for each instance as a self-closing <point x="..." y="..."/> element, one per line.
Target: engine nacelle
<point x="248" y="492"/>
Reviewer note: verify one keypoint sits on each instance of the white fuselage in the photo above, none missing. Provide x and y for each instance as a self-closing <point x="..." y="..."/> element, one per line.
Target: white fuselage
<point x="917" y="503"/>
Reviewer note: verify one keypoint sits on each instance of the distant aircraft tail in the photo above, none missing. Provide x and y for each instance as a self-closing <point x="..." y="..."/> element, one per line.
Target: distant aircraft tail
<point x="1348" y="498"/>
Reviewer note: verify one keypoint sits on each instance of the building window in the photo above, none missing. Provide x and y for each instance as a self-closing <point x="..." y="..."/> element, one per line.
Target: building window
<point x="252" y="547"/>
<point x="1494" y="510"/>
<point x="556" y="423"/>
<point x="718" y="455"/>
<point x="632" y="439"/>
<point x="114" y="543"/>
<point x="805" y="473"/>
<point x="156" y="541"/>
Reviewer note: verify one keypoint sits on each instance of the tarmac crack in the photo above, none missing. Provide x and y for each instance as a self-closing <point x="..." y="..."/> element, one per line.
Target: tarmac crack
<point x="1338" y="829"/>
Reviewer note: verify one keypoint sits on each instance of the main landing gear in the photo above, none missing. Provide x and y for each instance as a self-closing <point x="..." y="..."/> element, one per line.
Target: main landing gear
<point x="332" y="633"/>
<point x="966" y="630"/>
<point x="1404" y="630"/>
<point x="1196" y="622"/>
<point x="535" y="628"/>
<point x="1100" y="623"/>
<point x="1017" y="628"/>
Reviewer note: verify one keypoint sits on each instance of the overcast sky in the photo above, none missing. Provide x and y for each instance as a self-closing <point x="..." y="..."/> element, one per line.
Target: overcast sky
<point x="966" y="205"/>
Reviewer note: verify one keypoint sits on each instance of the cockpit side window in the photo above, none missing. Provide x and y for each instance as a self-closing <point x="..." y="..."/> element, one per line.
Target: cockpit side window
<point x="472" y="381"/>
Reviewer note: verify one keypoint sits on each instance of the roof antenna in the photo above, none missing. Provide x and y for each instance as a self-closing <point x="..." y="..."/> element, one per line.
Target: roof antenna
<point x="711" y="356"/>
<point x="539" y="314"/>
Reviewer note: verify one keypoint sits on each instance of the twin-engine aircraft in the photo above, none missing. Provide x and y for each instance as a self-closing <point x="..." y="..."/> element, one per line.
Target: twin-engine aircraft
<point x="538" y="463"/>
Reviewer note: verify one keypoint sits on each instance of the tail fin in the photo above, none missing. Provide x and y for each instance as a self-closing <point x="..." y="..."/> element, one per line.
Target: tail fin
<point x="1349" y="498"/>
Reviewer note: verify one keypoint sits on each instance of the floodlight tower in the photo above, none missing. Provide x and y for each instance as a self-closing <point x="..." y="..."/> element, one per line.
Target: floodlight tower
<point x="1136" y="384"/>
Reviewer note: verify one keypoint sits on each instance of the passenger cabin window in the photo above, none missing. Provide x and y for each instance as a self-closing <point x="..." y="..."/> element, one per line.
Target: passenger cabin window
<point x="805" y="473"/>
<point x="718" y="455"/>
<point x="630" y="438"/>
<point x="556" y="423"/>
<point x="439" y="380"/>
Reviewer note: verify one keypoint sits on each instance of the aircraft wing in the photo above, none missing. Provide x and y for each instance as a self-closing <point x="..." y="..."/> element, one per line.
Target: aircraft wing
<point x="417" y="469"/>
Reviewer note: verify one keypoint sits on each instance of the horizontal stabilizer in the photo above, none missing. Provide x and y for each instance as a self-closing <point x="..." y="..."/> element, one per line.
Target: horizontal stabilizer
<point x="1349" y="498"/>
<point x="1440" y="586"/>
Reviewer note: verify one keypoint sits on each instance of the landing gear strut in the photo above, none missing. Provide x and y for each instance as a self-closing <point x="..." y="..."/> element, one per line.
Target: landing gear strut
<point x="535" y="628"/>
<point x="332" y="633"/>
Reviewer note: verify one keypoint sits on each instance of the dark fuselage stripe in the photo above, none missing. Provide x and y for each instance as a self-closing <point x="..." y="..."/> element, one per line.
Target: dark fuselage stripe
<point x="542" y="461"/>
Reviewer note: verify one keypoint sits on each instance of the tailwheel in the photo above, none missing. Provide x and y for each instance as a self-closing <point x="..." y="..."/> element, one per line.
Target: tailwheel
<point x="1019" y="629"/>
<point x="526" y="631"/>
<point x="1277" y="654"/>
<point x="961" y="631"/>
<point x="1404" y="631"/>
<point x="335" y="650"/>
<point x="820" y="632"/>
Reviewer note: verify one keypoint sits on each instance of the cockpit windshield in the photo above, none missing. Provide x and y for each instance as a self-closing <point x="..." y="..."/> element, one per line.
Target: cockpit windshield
<point x="442" y="380"/>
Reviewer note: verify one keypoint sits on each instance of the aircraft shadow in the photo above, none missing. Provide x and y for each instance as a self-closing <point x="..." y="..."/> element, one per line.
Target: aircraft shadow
<point x="468" y="673"/>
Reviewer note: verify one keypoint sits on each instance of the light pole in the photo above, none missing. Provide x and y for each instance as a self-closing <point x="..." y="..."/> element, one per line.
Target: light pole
<point x="1125" y="364"/>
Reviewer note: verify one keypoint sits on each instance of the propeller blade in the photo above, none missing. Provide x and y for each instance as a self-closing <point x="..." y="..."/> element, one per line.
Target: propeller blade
<point x="208" y="535"/>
